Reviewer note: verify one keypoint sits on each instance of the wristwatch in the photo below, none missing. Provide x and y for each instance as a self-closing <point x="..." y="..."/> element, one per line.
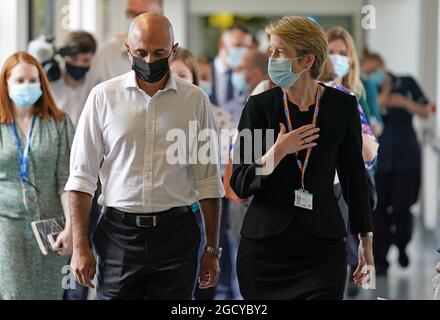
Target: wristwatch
<point x="365" y="235"/>
<point x="215" y="251"/>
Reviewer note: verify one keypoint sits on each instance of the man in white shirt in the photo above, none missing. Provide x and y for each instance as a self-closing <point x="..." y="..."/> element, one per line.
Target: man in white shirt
<point x="111" y="60"/>
<point x="147" y="239"/>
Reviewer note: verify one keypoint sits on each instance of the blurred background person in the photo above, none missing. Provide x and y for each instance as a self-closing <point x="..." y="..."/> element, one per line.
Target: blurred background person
<point x="234" y="42"/>
<point x="372" y="95"/>
<point x="346" y="66"/>
<point x="35" y="141"/>
<point x="251" y="70"/>
<point x="399" y="160"/>
<point x="205" y="75"/>
<point x="69" y="91"/>
<point x="342" y="72"/>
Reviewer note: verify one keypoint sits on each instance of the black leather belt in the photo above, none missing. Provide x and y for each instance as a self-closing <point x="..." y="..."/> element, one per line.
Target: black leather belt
<point x="150" y="220"/>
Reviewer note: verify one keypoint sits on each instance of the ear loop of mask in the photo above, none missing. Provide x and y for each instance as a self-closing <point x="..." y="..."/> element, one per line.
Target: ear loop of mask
<point x="308" y="68"/>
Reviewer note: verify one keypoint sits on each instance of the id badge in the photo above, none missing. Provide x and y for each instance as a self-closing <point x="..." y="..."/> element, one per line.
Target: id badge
<point x="303" y="199"/>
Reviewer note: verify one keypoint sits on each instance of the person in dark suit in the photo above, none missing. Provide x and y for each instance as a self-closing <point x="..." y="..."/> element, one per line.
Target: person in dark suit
<point x="293" y="233"/>
<point x="399" y="161"/>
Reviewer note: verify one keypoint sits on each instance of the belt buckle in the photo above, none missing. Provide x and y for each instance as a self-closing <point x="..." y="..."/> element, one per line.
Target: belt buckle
<point x="141" y="225"/>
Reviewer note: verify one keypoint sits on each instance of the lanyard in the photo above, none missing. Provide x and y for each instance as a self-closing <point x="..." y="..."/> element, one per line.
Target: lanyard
<point x="23" y="157"/>
<point x="302" y="167"/>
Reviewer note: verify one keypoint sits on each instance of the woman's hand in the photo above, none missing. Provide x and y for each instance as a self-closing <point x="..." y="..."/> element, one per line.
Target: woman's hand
<point x="370" y="148"/>
<point x="63" y="244"/>
<point x="288" y="143"/>
<point x="395" y="100"/>
<point x="365" y="270"/>
<point x="297" y="140"/>
<point x="437" y="267"/>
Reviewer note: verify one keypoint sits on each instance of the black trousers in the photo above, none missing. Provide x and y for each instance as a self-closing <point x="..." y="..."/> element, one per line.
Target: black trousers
<point x="157" y="263"/>
<point x="392" y="219"/>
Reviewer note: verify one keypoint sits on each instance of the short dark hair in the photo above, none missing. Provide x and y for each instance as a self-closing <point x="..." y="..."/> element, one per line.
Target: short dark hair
<point x="238" y="27"/>
<point x="81" y="40"/>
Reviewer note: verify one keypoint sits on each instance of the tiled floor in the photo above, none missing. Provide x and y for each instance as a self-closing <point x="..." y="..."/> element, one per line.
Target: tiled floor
<point x="415" y="282"/>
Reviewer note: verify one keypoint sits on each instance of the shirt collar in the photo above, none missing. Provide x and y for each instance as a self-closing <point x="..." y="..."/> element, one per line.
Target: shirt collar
<point x="131" y="82"/>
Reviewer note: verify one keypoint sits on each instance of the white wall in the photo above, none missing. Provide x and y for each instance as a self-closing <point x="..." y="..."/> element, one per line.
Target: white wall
<point x="13" y="27"/>
<point x="177" y="12"/>
<point x="429" y="52"/>
<point x="115" y="22"/>
<point x="397" y="34"/>
<point x="276" y="7"/>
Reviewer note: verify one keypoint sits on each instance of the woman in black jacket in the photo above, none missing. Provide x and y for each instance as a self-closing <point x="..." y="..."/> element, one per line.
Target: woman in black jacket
<point x="292" y="243"/>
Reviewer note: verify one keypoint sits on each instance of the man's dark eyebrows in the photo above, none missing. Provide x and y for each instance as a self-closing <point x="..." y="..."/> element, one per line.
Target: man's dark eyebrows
<point x="140" y="51"/>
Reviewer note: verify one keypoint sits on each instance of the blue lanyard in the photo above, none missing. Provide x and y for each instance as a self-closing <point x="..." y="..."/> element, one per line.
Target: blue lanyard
<point x="23" y="157"/>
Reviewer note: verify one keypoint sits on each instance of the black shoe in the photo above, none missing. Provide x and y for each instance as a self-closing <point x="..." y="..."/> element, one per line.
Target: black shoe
<point x="403" y="258"/>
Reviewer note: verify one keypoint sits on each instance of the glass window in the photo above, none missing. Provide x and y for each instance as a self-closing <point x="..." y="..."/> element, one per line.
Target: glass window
<point x="41" y="18"/>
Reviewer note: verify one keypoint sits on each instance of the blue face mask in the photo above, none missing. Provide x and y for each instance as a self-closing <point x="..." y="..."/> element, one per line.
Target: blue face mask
<point x="207" y="87"/>
<point x="341" y="65"/>
<point x="377" y="77"/>
<point x="234" y="57"/>
<point x="280" y="72"/>
<point x="25" y="95"/>
<point x="239" y="82"/>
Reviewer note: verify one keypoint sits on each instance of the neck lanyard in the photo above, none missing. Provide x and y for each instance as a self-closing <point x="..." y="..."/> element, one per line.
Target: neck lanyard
<point x="23" y="157"/>
<point x="302" y="166"/>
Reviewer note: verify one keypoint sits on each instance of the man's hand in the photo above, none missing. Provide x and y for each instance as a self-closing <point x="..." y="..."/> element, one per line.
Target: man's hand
<point x="63" y="244"/>
<point x="209" y="271"/>
<point x="363" y="274"/>
<point x="83" y="266"/>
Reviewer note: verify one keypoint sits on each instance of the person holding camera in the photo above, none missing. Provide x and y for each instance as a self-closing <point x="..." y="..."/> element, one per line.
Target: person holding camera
<point x="69" y="91"/>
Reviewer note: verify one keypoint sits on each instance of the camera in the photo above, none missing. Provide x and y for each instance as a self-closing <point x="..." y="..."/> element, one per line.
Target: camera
<point x="44" y="50"/>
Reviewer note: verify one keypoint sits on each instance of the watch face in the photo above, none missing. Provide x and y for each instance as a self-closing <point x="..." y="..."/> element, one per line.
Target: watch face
<point x="214" y="251"/>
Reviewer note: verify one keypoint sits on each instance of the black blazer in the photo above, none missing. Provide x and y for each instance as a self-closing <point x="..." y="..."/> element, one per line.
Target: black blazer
<point x="339" y="147"/>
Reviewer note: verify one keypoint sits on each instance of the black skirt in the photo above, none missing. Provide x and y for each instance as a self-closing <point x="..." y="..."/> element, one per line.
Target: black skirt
<point x="292" y="265"/>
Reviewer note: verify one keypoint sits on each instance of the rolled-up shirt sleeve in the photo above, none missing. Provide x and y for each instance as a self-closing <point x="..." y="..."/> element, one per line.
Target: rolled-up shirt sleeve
<point x="208" y="182"/>
<point x="87" y="149"/>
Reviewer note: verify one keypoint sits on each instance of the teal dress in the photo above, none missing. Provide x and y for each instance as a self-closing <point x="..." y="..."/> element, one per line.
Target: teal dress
<point x="25" y="274"/>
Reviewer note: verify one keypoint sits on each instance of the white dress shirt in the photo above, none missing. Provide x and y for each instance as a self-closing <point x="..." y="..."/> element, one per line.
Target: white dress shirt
<point x="122" y="136"/>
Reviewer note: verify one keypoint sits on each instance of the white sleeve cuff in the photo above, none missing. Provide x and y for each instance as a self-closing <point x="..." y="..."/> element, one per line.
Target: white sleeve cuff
<point x="210" y="188"/>
<point x="82" y="183"/>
